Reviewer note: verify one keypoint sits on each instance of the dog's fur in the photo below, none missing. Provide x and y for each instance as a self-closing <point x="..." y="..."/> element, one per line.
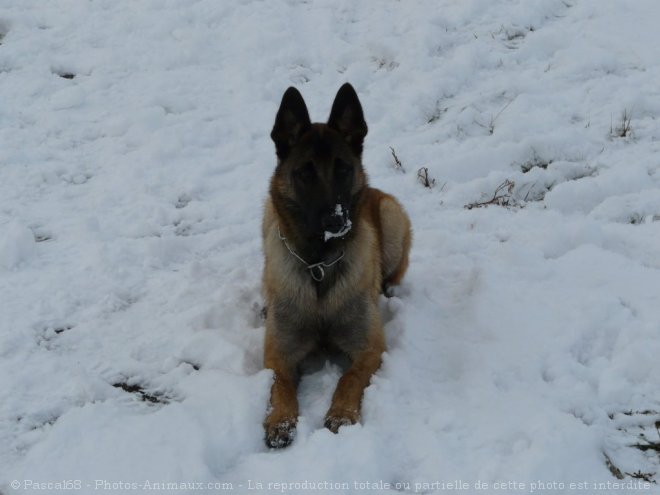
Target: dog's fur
<point x="319" y="207"/>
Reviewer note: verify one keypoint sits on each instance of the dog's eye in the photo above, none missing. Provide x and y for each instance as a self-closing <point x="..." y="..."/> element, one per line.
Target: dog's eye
<point x="342" y="169"/>
<point x="306" y="173"/>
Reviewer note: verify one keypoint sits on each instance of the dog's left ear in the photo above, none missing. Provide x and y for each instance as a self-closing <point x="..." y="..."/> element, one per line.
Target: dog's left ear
<point x="347" y="118"/>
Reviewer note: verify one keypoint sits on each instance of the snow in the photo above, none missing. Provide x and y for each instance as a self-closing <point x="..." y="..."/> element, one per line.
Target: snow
<point x="346" y="228"/>
<point x="134" y="162"/>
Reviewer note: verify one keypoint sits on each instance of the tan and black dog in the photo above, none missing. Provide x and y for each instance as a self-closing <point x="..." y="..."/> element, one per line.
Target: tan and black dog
<point x="332" y="244"/>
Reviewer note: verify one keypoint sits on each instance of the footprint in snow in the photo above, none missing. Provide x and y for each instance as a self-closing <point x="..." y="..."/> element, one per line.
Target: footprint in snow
<point x="182" y="201"/>
<point x="64" y="74"/>
<point x="41" y="235"/>
<point x="50" y="331"/>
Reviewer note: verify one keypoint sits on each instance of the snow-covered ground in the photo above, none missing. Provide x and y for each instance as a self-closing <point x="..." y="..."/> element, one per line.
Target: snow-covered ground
<point x="524" y="346"/>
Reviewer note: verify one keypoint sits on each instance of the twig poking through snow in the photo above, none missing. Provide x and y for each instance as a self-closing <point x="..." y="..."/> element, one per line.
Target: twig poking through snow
<point x="397" y="163"/>
<point x="423" y="176"/>
<point x="624" y="129"/>
<point x="502" y="197"/>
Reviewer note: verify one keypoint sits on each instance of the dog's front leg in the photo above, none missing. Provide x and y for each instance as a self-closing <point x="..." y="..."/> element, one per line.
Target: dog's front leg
<point x="280" y="424"/>
<point x="346" y="401"/>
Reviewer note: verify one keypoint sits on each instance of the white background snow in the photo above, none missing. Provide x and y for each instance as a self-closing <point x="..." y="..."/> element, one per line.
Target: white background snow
<point x="524" y="346"/>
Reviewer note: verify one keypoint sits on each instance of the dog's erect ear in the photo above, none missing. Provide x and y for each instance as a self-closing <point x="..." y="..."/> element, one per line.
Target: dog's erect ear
<point x="346" y="117"/>
<point x="291" y="122"/>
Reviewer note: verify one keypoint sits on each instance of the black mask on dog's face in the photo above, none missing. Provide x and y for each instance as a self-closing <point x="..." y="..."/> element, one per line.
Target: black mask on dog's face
<point x="319" y="174"/>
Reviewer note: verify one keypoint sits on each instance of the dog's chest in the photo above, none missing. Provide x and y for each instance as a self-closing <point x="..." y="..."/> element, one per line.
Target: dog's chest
<point x="307" y="314"/>
<point x="310" y="326"/>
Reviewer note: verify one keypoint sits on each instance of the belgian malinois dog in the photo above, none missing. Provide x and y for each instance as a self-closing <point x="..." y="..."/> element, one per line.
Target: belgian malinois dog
<point x="332" y="244"/>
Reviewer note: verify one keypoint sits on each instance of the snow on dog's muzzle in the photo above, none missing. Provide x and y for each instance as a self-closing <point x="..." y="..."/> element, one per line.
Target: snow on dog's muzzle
<point x="336" y="224"/>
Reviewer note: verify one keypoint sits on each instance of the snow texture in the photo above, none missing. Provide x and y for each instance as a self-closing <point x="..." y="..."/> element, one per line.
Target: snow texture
<point x="135" y="156"/>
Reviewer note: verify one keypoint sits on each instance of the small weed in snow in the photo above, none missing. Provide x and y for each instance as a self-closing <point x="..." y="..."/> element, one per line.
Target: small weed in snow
<point x="423" y="176"/>
<point x="397" y="163"/>
<point x="624" y="129"/>
<point x="503" y="196"/>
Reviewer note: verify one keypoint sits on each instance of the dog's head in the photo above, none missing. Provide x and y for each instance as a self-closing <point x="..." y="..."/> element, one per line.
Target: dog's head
<point x="319" y="177"/>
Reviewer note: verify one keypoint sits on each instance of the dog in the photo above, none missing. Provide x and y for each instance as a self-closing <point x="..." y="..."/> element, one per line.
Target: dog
<point x="332" y="245"/>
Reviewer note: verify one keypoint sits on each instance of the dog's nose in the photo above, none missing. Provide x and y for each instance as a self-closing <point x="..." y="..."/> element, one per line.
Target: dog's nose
<point x="332" y="222"/>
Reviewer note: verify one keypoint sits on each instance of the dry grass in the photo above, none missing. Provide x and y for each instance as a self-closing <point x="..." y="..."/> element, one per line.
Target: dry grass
<point x="503" y="196"/>
<point x="423" y="176"/>
<point x="397" y="163"/>
<point x="624" y="129"/>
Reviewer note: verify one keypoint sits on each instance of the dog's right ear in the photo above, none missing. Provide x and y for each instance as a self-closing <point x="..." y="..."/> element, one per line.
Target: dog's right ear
<point x="291" y="122"/>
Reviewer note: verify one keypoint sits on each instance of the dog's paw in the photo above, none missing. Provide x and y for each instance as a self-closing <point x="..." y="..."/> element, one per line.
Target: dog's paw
<point x="280" y="434"/>
<point x="336" y="419"/>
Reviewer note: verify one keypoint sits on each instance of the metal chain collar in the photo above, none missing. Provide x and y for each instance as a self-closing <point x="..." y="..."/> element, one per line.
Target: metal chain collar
<point x="315" y="269"/>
